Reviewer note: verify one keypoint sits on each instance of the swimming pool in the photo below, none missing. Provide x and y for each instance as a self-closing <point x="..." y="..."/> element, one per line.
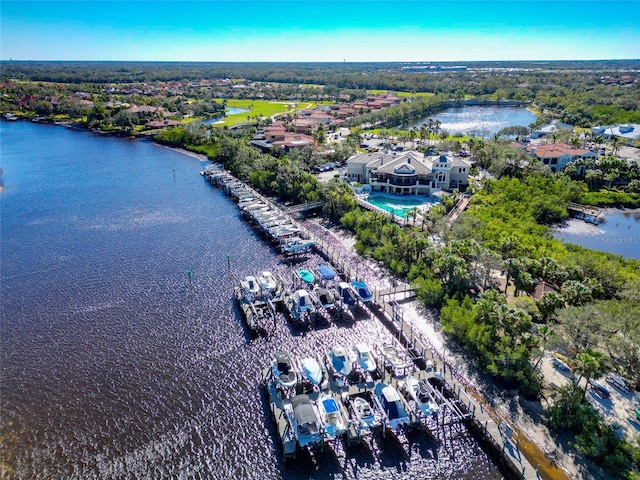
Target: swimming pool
<point x="400" y="206"/>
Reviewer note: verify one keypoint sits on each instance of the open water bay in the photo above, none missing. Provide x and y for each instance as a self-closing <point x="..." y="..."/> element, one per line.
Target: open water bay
<point x="114" y="366"/>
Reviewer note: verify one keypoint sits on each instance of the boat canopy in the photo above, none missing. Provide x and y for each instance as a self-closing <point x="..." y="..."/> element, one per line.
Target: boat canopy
<point x="326" y="272"/>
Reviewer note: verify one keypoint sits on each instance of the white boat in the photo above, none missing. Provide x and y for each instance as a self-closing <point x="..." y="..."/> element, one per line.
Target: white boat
<point x="303" y="301"/>
<point x="420" y="393"/>
<point x="325" y="298"/>
<point x="267" y="281"/>
<point x="340" y="361"/>
<point x="332" y="416"/>
<point x="304" y="420"/>
<point x="250" y="285"/>
<point x="297" y="245"/>
<point x="364" y="357"/>
<point x="312" y="370"/>
<point x="392" y="405"/>
<point x="364" y="413"/>
<point x="392" y="358"/>
<point x="283" y="371"/>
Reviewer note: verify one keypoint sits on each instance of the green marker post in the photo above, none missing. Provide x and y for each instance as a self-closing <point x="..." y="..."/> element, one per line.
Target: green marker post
<point x="189" y="275"/>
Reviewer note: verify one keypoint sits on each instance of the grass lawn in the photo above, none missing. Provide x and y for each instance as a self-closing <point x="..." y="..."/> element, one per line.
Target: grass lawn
<point x="259" y="107"/>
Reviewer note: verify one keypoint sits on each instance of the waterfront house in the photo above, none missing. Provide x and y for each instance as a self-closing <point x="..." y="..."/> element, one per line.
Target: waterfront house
<point x="628" y="133"/>
<point x="408" y="173"/>
<point x="550" y="129"/>
<point x="558" y="155"/>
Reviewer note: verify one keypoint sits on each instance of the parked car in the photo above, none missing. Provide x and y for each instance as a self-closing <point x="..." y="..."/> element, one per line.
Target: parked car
<point x="602" y="151"/>
<point x="619" y="381"/>
<point x="600" y="389"/>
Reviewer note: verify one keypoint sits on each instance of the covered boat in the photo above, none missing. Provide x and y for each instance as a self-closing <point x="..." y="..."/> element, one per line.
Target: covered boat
<point x="392" y="405"/>
<point x="346" y="293"/>
<point x="340" y="361"/>
<point x="305" y="422"/>
<point x="312" y="370"/>
<point x="362" y="291"/>
<point x="326" y="273"/>
<point x="303" y="301"/>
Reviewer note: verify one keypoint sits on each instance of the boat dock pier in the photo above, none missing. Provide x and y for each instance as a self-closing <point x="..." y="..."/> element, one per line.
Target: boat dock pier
<point x="584" y="212"/>
<point x="458" y="399"/>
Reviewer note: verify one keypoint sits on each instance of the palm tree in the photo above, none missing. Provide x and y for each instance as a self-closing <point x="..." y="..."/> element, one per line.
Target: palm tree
<point x="590" y="364"/>
<point x="615" y="144"/>
<point x="592" y="177"/>
<point x="545" y="333"/>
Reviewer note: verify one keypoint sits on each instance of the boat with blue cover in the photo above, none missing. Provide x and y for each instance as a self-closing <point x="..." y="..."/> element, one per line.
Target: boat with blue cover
<point x="326" y="273"/>
<point x="362" y="291"/>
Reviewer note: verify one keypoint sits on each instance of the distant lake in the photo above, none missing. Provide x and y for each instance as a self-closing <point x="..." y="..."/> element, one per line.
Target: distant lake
<point x="480" y="121"/>
<point x="228" y="111"/>
<point x="620" y="234"/>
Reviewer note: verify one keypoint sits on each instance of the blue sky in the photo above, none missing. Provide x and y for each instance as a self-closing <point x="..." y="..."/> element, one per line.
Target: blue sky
<point x="301" y="30"/>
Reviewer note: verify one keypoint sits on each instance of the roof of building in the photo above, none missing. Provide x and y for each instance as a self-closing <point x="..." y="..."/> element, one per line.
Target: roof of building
<point x="628" y="130"/>
<point x="556" y="150"/>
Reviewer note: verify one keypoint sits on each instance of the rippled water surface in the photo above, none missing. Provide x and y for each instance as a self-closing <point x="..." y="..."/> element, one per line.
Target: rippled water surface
<point x="114" y="365"/>
<point x="481" y="121"/>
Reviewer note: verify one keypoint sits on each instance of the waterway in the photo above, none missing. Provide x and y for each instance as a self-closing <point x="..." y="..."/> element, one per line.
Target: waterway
<point x="619" y="234"/>
<point x="115" y="363"/>
<point x="479" y="121"/>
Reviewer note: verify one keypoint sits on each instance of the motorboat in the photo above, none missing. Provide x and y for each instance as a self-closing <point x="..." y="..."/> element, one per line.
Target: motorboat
<point x="340" y="361"/>
<point x="305" y="275"/>
<point x="420" y="393"/>
<point x="326" y="273"/>
<point x="297" y="245"/>
<point x="267" y="281"/>
<point x="346" y="293"/>
<point x="364" y="413"/>
<point x="283" y="370"/>
<point x="364" y="357"/>
<point x="303" y="301"/>
<point x="312" y="371"/>
<point x="325" y="298"/>
<point x="560" y="363"/>
<point x="392" y="405"/>
<point x="250" y="285"/>
<point x="392" y="358"/>
<point x="331" y="415"/>
<point x="362" y="291"/>
<point x="304" y="420"/>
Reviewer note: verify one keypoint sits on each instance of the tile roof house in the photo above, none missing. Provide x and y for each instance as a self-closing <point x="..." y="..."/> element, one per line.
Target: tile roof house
<point x="408" y="173"/>
<point x="558" y="155"/>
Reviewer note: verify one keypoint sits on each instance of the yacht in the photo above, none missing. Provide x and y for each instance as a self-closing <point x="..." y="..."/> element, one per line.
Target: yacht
<point x="331" y="414"/>
<point x="283" y="371"/>
<point x="392" y="405"/>
<point x="364" y="357"/>
<point x="420" y="393"/>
